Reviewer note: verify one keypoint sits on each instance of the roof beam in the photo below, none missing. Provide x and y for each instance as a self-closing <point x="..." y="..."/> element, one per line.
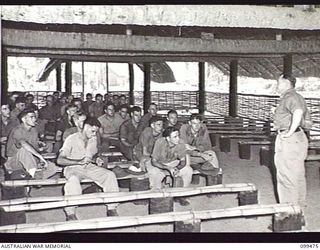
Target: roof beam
<point x="91" y="44"/>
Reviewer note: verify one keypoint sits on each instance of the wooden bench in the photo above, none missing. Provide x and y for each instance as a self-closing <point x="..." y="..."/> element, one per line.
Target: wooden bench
<point x="225" y="140"/>
<point x="245" y="147"/>
<point x="286" y="217"/>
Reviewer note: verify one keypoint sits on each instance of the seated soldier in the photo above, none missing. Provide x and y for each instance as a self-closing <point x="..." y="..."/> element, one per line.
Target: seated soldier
<point x="23" y="149"/>
<point x="7" y="124"/>
<point x="130" y="131"/>
<point x="172" y="120"/>
<point x="96" y="108"/>
<point x="196" y="136"/>
<point x="143" y="150"/>
<point x="110" y="127"/>
<point x="152" y="111"/>
<point x="77" y="119"/>
<point x="123" y="113"/>
<point x="87" y="103"/>
<point x="29" y="102"/>
<point x="40" y="127"/>
<point x="20" y="105"/>
<point x="169" y="155"/>
<point x="78" y="155"/>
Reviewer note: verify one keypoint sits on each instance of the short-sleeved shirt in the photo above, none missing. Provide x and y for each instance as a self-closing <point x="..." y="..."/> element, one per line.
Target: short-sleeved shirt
<point x="75" y="147"/>
<point x="96" y="109"/>
<point x="146" y="139"/>
<point x="31" y="106"/>
<point x="6" y="128"/>
<point x="110" y="125"/>
<point x="130" y="132"/>
<point x="164" y="153"/>
<point x="86" y="105"/>
<point x="144" y="122"/>
<point x="69" y="131"/>
<point x="19" y="134"/>
<point x="201" y="140"/>
<point x="14" y="113"/>
<point x="289" y="102"/>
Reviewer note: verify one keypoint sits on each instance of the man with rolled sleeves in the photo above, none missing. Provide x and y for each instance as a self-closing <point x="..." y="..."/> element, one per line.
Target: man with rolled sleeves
<point x="169" y="155"/>
<point x="291" y="146"/>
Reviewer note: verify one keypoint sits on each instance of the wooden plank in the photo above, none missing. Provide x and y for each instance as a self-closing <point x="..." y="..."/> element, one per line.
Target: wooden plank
<point x="81" y="43"/>
<point x="131" y="84"/>
<point x="126" y="221"/>
<point x="147" y="87"/>
<point x="202" y="93"/>
<point x="40" y="203"/>
<point x="233" y="88"/>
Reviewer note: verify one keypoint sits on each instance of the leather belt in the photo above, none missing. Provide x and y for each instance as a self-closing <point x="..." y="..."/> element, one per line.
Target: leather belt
<point x="297" y="130"/>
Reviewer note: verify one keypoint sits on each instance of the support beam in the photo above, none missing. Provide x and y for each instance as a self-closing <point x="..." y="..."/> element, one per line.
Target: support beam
<point x="131" y="84"/>
<point x="68" y="76"/>
<point x="287" y="65"/>
<point x="107" y="77"/>
<point x="4" y="74"/>
<point x="58" y="76"/>
<point x="233" y="88"/>
<point x="83" y="80"/>
<point x="202" y="91"/>
<point x="66" y="43"/>
<point x="146" y="92"/>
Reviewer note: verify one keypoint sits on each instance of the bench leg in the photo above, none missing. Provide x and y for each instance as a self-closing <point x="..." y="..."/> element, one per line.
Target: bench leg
<point x="265" y="156"/>
<point x="8" y="218"/>
<point x="287" y="222"/>
<point x="244" y="151"/>
<point x="137" y="184"/>
<point x="225" y="144"/>
<point x="248" y="198"/>
<point x="213" y="180"/>
<point x="191" y="226"/>
<point x="213" y="139"/>
<point x="195" y="179"/>
<point x="160" y="205"/>
<point x="177" y="182"/>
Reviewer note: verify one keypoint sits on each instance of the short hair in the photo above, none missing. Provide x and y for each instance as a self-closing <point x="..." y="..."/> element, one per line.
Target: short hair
<point x="108" y="104"/>
<point x="71" y="105"/>
<point x="123" y="96"/>
<point x="97" y="95"/>
<point x="169" y="130"/>
<point x="92" y="121"/>
<point x="76" y="99"/>
<point x="195" y="117"/>
<point x="172" y="111"/>
<point x="24" y="113"/>
<point x="123" y="106"/>
<point x="153" y="104"/>
<point x="88" y="94"/>
<point x="29" y="95"/>
<point x="49" y="96"/>
<point x="15" y="93"/>
<point x="78" y="114"/>
<point x="291" y="79"/>
<point x="20" y="99"/>
<point x="154" y="119"/>
<point x="135" y="109"/>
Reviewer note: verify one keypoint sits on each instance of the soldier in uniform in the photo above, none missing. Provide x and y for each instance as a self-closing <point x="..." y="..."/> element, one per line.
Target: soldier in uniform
<point x="291" y="117"/>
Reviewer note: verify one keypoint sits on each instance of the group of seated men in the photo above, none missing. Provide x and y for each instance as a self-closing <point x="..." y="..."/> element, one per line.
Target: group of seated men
<point x="161" y="146"/>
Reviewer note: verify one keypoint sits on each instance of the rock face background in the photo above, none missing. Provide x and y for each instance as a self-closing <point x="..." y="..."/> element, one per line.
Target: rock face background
<point x="172" y="15"/>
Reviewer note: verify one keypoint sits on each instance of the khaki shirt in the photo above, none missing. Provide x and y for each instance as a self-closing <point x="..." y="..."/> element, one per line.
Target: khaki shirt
<point x="110" y="125"/>
<point x="130" y="132"/>
<point x="201" y="140"/>
<point x="289" y="102"/>
<point x="96" y="109"/>
<point x="164" y="153"/>
<point x="146" y="139"/>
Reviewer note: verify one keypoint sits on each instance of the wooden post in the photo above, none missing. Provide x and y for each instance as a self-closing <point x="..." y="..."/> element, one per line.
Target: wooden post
<point x="139" y="184"/>
<point x="68" y="77"/>
<point x="131" y="84"/>
<point x="191" y="226"/>
<point x="160" y="205"/>
<point x="287" y="222"/>
<point x="146" y="92"/>
<point x="82" y="69"/>
<point x="287" y="65"/>
<point x="107" y="77"/>
<point x="202" y="93"/>
<point x="248" y="198"/>
<point x="4" y="74"/>
<point x="244" y="151"/>
<point x="233" y="99"/>
<point x="225" y="144"/>
<point x="58" y="76"/>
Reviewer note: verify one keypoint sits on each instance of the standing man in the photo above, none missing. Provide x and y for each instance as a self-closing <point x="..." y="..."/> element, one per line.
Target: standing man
<point x="78" y="155"/>
<point x="196" y="136"/>
<point x="130" y="131"/>
<point x="24" y="147"/>
<point x="291" y="146"/>
<point x="152" y="111"/>
<point x="169" y="155"/>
